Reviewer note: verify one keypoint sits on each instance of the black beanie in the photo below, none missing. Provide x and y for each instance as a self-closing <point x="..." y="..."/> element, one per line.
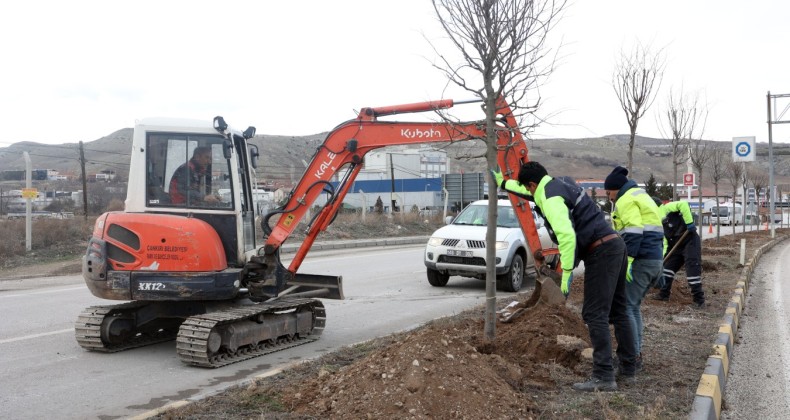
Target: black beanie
<point x="616" y="179"/>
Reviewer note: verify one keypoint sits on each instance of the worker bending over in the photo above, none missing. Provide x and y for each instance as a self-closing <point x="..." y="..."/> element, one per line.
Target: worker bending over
<point x="678" y="220"/>
<point x="583" y="234"/>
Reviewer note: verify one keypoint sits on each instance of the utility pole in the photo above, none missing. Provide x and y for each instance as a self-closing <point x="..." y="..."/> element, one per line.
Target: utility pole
<point x="84" y="183"/>
<point x="392" y="180"/>
<point x="28" y="204"/>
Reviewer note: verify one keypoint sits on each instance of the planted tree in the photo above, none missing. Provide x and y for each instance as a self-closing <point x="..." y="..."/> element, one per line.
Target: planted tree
<point x="503" y="53"/>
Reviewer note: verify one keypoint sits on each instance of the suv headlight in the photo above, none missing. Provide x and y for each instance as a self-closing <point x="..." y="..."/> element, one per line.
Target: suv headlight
<point x="435" y="241"/>
<point x="502" y="245"/>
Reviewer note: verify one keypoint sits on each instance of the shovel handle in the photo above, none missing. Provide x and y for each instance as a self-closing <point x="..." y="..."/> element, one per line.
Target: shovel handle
<point x="677" y="244"/>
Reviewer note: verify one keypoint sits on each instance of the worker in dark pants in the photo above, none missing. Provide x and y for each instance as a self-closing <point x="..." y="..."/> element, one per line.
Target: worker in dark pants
<point x="583" y="234"/>
<point x="677" y="220"/>
<point x="638" y="220"/>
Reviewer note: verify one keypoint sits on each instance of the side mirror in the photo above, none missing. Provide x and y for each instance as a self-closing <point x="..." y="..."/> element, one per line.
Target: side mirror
<point x="254" y="154"/>
<point x="227" y="149"/>
<point x="448" y="220"/>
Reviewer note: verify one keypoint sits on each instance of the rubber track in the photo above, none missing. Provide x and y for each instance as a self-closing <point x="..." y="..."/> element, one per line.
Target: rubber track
<point x="87" y="329"/>
<point x="192" y="341"/>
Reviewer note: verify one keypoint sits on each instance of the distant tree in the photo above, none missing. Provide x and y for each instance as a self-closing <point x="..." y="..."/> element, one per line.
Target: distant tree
<point x="637" y="77"/>
<point x="378" y="208"/>
<point x="717" y="170"/>
<point x="60" y="204"/>
<point x="759" y="181"/>
<point x="682" y="123"/>
<point x="666" y="191"/>
<point x="699" y="153"/>
<point x="651" y="186"/>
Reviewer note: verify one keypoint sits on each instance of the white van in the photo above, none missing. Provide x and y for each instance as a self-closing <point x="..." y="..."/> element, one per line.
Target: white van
<point x="727" y="215"/>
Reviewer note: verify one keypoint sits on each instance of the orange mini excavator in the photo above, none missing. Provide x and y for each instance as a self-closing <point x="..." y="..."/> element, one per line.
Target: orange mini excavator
<point x="183" y="253"/>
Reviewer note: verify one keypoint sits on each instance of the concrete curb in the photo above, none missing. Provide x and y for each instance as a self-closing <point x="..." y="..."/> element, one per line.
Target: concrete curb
<point x="358" y="243"/>
<point x="710" y="391"/>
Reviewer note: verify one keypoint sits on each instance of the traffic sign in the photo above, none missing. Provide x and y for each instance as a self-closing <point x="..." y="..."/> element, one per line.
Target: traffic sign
<point x="29" y="193"/>
<point x="743" y="149"/>
<point x="688" y="179"/>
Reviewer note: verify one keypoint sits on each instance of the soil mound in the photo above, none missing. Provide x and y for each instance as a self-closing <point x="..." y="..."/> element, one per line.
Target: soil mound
<point x="446" y="370"/>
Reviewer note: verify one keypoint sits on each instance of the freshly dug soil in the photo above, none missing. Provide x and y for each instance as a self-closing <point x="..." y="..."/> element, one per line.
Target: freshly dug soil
<point x="445" y="370"/>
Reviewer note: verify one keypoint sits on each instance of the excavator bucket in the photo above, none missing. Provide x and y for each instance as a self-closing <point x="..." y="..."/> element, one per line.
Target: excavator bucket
<point x="547" y="291"/>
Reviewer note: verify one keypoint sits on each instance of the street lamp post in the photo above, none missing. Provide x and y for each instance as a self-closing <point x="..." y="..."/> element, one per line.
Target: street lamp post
<point x="772" y="121"/>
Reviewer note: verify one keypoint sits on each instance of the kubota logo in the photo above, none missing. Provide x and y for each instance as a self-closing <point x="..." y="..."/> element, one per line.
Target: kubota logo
<point x="420" y="134"/>
<point x="325" y="165"/>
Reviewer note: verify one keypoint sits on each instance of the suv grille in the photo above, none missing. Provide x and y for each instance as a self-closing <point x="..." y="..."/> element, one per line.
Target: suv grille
<point x="450" y="242"/>
<point x="469" y="243"/>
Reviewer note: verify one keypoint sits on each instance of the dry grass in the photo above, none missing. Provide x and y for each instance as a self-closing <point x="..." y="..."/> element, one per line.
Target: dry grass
<point x="51" y="239"/>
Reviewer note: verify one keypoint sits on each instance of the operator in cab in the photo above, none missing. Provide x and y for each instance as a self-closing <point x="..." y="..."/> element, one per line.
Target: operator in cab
<point x="191" y="182"/>
<point x="583" y="234"/>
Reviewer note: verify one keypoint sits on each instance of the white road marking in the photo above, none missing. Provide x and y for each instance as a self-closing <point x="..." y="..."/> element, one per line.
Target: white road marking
<point x="29" y="337"/>
<point x="40" y="292"/>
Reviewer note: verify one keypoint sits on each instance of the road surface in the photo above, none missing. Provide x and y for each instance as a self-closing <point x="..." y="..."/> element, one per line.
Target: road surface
<point x="45" y="374"/>
<point x="759" y="379"/>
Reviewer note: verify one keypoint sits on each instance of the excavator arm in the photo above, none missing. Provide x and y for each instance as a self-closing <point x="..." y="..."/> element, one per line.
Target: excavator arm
<point x="342" y="154"/>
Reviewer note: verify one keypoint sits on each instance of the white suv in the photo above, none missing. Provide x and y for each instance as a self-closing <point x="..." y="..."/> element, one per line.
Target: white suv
<point x="459" y="248"/>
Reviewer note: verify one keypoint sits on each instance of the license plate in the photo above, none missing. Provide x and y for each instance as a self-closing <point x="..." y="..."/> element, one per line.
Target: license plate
<point x="458" y="253"/>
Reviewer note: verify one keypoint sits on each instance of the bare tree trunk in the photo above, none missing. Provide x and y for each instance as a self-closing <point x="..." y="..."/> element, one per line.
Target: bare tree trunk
<point x="489" y="329"/>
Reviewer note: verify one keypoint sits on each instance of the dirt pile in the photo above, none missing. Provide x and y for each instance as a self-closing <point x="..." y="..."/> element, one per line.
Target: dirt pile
<point x="445" y="370"/>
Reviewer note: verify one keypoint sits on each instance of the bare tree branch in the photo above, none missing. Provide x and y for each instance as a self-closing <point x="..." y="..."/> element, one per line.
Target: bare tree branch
<point x="636" y="80"/>
<point x="682" y="115"/>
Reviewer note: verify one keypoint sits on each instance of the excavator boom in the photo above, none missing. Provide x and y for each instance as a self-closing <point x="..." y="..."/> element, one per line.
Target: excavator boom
<point x="342" y="154"/>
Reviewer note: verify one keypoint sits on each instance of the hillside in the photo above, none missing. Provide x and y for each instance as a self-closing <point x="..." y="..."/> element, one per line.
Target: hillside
<point x="283" y="158"/>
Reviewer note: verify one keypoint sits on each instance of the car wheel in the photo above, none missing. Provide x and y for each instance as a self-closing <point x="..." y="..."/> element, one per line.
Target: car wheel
<point x="437" y="278"/>
<point x="514" y="278"/>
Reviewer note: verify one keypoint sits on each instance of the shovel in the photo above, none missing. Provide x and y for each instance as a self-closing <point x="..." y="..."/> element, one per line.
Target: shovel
<point x="547" y="290"/>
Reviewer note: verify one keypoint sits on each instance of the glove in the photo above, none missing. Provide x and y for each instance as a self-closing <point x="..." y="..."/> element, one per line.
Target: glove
<point x="629" y="274"/>
<point x="691" y="228"/>
<point x="567" y="279"/>
<point x="497" y="174"/>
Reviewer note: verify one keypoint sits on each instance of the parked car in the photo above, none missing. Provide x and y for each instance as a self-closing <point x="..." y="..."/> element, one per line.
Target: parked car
<point x="459" y="248"/>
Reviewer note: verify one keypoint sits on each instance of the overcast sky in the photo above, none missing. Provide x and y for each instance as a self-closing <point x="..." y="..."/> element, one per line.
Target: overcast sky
<point x="79" y="70"/>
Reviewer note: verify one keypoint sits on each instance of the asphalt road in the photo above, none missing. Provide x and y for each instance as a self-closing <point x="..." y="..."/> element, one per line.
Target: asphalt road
<point x="45" y="374"/>
<point x="759" y="379"/>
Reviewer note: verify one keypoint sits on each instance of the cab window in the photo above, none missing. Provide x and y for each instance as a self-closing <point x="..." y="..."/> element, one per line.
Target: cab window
<point x="187" y="170"/>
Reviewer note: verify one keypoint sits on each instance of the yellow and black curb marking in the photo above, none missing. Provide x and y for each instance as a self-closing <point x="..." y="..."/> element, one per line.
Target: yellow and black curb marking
<point x="710" y="391"/>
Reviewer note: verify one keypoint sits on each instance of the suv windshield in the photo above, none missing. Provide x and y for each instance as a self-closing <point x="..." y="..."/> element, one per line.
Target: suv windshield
<point x="477" y="215"/>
